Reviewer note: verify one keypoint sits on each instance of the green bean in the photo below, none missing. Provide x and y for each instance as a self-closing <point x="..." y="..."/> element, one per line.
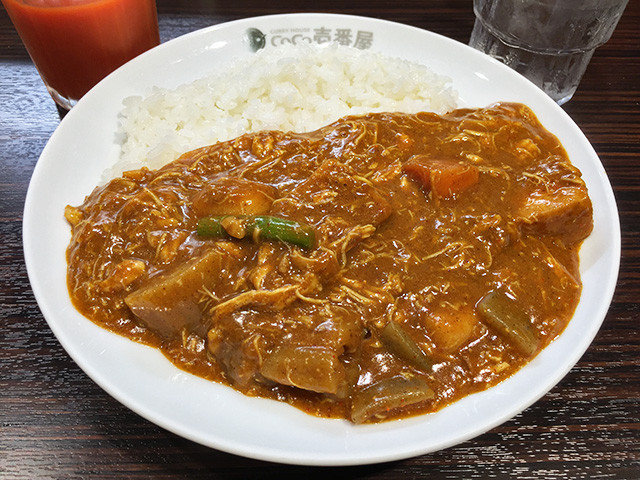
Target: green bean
<point x="211" y="227"/>
<point x="272" y="228"/>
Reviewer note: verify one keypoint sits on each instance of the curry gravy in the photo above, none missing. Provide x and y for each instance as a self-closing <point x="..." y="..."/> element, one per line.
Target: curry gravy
<point x="443" y="257"/>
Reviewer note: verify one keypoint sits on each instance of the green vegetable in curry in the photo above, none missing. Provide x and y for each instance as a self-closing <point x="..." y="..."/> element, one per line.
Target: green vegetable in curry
<point x="262" y="226"/>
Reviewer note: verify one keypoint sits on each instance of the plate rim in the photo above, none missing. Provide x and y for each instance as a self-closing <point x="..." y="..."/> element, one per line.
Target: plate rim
<point x="274" y="454"/>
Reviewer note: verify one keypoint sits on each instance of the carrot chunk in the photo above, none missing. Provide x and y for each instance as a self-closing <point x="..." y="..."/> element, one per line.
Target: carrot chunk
<point x="445" y="178"/>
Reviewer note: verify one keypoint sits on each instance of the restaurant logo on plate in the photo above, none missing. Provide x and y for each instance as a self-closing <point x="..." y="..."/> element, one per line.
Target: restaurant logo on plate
<point x="257" y="40"/>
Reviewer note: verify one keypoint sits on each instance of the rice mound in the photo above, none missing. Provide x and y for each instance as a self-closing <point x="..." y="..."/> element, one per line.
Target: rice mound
<point x="295" y="89"/>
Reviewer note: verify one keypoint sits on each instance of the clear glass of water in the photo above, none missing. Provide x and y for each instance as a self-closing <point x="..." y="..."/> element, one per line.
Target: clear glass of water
<point x="548" y="41"/>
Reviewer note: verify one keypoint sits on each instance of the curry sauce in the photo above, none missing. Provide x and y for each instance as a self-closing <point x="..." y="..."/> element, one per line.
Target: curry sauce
<point x="383" y="266"/>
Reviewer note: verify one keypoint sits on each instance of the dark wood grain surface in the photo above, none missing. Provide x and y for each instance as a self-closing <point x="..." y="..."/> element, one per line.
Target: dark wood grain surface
<point x="56" y="423"/>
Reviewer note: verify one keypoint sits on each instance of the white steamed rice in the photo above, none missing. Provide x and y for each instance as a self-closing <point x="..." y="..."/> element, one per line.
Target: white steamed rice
<point x="295" y="89"/>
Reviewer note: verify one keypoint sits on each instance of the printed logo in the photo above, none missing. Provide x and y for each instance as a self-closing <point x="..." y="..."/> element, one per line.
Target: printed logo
<point x="257" y="40"/>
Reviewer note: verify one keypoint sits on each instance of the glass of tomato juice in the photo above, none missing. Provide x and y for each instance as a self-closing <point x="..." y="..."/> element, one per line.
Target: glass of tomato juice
<point x="76" y="43"/>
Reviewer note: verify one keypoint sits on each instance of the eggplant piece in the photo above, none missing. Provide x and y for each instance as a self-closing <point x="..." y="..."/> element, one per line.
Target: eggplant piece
<point x="168" y="303"/>
<point x="388" y="395"/>
<point x="510" y="321"/>
<point x="400" y="344"/>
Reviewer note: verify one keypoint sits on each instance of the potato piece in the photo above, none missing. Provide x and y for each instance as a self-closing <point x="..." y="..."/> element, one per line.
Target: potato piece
<point x="565" y="212"/>
<point x="169" y="303"/>
<point x="449" y="328"/>
<point x="313" y="368"/>
<point x="234" y="196"/>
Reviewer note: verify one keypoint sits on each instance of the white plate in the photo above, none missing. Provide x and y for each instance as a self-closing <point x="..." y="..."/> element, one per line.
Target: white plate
<point x="142" y="379"/>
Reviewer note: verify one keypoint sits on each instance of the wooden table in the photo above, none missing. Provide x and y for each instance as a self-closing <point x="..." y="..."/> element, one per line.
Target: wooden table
<point x="56" y="423"/>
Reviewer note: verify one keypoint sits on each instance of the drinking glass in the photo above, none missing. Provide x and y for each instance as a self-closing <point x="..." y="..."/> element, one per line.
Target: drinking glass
<point x="548" y="41"/>
<point x="76" y="43"/>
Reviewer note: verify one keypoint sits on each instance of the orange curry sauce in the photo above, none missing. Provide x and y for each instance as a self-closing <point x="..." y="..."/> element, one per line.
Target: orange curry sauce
<point x="445" y="257"/>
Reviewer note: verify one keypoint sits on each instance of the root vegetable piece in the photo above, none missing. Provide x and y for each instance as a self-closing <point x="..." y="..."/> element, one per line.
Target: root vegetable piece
<point x="169" y="303"/>
<point x="234" y="196"/>
<point x="308" y="367"/>
<point x="451" y="328"/>
<point x="565" y="212"/>
<point x="445" y="178"/>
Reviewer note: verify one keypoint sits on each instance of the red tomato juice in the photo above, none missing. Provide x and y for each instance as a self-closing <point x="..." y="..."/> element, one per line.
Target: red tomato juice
<point x="76" y="43"/>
